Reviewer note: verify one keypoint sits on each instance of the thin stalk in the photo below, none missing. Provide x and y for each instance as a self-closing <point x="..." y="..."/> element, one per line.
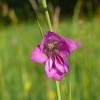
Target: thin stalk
<point x="47" y="14"/>
<point x="50" y="27"/>
<point x="70" y="91"/>
<point x="41" y="31"/>
<point x="36" y="16"/>
<point x="76" y="15"/>
<point x="58" y="90"/>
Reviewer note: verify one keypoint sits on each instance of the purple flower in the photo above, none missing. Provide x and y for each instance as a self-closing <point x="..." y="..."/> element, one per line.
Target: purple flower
<point x="53" y="51"/>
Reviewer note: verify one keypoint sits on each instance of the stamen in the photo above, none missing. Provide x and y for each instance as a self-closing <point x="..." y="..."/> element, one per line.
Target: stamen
<point x="50" y="48"/>
<point x="51" y="45"/>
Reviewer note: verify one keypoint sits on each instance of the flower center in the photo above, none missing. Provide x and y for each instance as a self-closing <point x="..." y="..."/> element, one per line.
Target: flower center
<point x="50" y="47"/>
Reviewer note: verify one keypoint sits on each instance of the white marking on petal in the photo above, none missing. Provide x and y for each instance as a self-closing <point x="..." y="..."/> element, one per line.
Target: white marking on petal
<point x="59" y="66"/>
<point x="50" y="62"/>
<point x="49" y="73"/>
<point x="66" y="68"/>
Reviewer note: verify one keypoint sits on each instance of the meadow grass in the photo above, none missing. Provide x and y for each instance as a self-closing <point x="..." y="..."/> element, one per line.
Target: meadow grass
<point x="21" y="79"/>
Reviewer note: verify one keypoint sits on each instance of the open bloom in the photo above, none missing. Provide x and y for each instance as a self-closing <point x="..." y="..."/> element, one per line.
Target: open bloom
<point x="53" y="51"/>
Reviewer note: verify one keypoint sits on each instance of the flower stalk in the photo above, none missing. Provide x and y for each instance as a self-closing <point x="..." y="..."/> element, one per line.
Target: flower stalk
<point x="70" y="90"/>
<point x="47" y="14"/>
<point x="36" y="16"/>
<point x="41" y="31"/>
<point x="50" y="27"/>
<point x="58" y="90"/>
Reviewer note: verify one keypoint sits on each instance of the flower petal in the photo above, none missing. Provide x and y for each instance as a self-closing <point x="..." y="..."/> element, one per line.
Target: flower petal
<point x="50" y="62"/>
<point x="37" y="55"/>
<point x="58" y="76"/>
<point x="63" y="48"/>
<point x="50" y="71"/>
<point x="65" y="45"/>
<point x="66" y="67"/>
<point x="49" y="35"/>
<point x="72" y="45"/>
<point x="59" y="65"/>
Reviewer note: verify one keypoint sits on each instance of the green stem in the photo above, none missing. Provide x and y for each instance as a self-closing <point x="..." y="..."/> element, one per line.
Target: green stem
<point x="58" y="90"/>
<point x="36" y="15"/>
<point x="70" y="91"/>
<point x="41" y="31"/>
<point x="47" y="14"/>
<point x="50" y="27"/>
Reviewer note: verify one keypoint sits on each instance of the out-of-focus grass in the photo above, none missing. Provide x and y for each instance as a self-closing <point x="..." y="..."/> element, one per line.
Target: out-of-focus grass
<point x="21" y="79"/>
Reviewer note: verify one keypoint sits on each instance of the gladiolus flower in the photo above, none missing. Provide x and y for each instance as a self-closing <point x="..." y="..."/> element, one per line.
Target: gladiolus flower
<point x="53" y="51"/>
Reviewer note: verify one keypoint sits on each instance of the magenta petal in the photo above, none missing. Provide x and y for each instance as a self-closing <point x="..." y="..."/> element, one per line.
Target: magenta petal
<point x="72" y="45"/>
<point x="66" y="65"/>
<point x="50" y="63"/>
<point x="66" y="68"/>
<point x="58" y="77"/>
<point x="64" y="49"/>
<point x="38" y="56"/>
<point x="59" y="66"/>
<point x="64" y="53"/>
<point x="49" y="35"/>
<point x="49" y="72"/>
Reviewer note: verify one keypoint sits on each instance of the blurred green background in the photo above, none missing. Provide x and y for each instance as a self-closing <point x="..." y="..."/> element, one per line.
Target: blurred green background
<point x="22" y="79"/>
